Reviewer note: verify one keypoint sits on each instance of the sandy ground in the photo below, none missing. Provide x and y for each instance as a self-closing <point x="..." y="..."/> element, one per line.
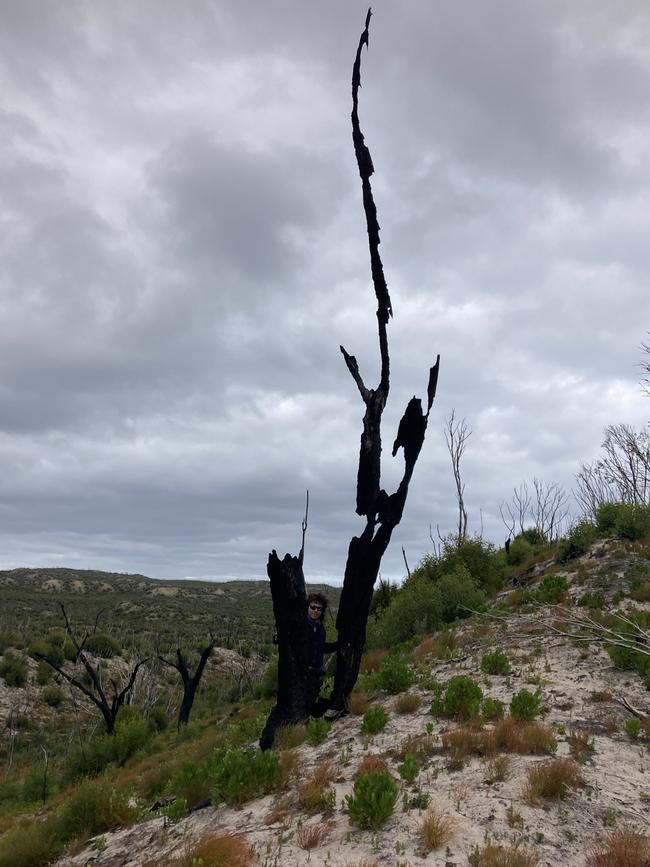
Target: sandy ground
<point x="617" y="775"/>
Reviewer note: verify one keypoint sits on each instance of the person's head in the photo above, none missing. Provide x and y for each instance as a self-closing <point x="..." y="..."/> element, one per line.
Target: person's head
<point x="316" y="606"/>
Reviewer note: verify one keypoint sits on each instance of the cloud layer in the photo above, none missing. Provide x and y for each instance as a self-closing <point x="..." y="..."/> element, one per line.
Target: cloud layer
<point x="184" y="250"/>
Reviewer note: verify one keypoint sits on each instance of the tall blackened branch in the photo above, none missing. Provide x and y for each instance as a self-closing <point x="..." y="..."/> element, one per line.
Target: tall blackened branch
<point x="190" y="681"/>
<point x="382" y="511"/>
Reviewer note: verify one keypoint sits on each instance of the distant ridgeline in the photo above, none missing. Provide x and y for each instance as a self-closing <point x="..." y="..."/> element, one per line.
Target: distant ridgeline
<point x="135" y="604"/>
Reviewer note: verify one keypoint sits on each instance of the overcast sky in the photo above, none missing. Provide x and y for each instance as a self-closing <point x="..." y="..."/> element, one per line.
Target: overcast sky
<point x="183" y="249"/>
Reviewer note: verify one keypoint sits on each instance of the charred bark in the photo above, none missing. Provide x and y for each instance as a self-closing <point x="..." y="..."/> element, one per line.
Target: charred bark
<point x="382" y="511"/>
<point x="190" y="681"/>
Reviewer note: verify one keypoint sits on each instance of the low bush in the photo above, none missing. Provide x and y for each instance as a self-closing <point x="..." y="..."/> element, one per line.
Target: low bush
<point x="525" y="705"/>
<point x="581" y="745"/>
<point x="394" y="675"/>
<point x="461" y="699"/>
<point x="315" y="795"/>
<point x="358" y="703"/>
<point x="552" y="590"/>
<point x="53" y="696"/>
<point x="409" y="769"/>
<point x="31" y="844"/>
<point x="191" y="783"/>
<point x="370" y="765"/>
<point x="316" y="731"/>
<point x="310" y="836"/>
<point x="372" y="801"/>
<point x="435" y="830"/>
<point x="290" y="736"/>
<point x="103" y="645"/>
<point x="492" y="708"/>
<point x="495" y="663"/>
<point x="13" y="668"/>
<point x="374" y="720"/>
<point x="578" y="541"/>
<point x="624" y="847"/>
<point x="240" y="775"/>
<point x="633" y="727"/>
<point x="513" y="735"/>
<point x="94" y="806"/>
<point x="132" y="735"/>
<point x="552" y="781"/>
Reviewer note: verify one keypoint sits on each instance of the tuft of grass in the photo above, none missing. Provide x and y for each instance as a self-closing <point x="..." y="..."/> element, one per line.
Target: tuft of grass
<point x="436" y="829"/>
<point x="500" y="856"/>
<point x="581" y="745"/>
<point x="311" y="836"/>
<point x="358" y="703"/>
<point x="222" y="850"/>
<point x="370" y="765"/>
<point x="372" y="660"/>
<point x="513" y="735"/>
<point x="601" y="695"/>
<point x="499" y="769"/>
<point x="419" y="746"/>
<point x="624" y="847"/>
<point x="290" y="736"/>
<point x="552" y="781"/>
<point x="315" y="794"/>
<point x="316" y="731"/>
<point x="466" y="741"/>
<point x="279" y="813"/>
<point x="409" y="702"/>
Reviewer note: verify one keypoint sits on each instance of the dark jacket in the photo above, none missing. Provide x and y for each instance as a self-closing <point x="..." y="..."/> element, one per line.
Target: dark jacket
<point x="316" y="644"/>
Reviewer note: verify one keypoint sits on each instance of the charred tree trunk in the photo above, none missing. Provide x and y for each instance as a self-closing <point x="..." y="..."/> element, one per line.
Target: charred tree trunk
<point x="382" y="512"/>
<point x="190" y="681"/>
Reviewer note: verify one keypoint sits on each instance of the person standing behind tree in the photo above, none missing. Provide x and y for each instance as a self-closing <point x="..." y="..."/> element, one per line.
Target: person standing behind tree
<point x="317" y="646"/>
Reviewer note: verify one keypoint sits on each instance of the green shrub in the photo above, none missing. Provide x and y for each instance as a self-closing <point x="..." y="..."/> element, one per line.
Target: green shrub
<point x="29" y="845"/>
<point x="633" y="521"/>
<point x="394" y="674"/>
<point x="37" y="784"/>
<point x="525" y="705"/>
<point x="577" y="542"/>
<point x="13" y="668"/>
<point x="192" y="783"/>
<point x="93" y="807"/>
<point x="409" y="769"/>
<point x="633" y="727"/>
<point x="374" y="720"/>
<point x="520" y="551"/>
<point x="415" y="608"/>
<point x="53" y="696"/>
<point x="240" y="775"/>
<point x="606" y="515"/>
<point x="103" y="645"/>
<point x="44" y="673"/>
<point x="592" y="600"/>
<point x="9" y="791"/>
<point x="316" y="731"/>
<point x="495" y="663"/>
<point x="373" y="800"/>
<point x="131" y="736"/>
<point x="552" y="590"/>
<point x="268" y="686"/>
<point x="460" y="700"/>
<point x="492" y="708"/>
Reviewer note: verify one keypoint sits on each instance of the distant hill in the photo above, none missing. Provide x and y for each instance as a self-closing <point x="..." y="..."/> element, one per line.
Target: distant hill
<point x="137" y="604"/>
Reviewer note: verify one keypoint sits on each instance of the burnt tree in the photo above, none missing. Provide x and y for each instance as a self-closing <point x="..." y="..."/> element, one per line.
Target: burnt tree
<point x="107" y="701"/>
<point x="190" y="681"/>
<point x="382" y="511"/>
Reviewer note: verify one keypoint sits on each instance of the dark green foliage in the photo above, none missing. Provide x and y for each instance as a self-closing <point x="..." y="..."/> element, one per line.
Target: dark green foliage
<point x="46" y="648"/>
<point x="606" y="515"/>
<point x="460" y="700"/>
<point x="44" y="673"/>
<point x="384" y="594"/>
<point x="374" y="720"/>
<point x="627" y="520"/>
<point x="409" y="769"/>
<point x="552" y="590"/>
<point x="240" y="775"/>
<point x="37" y="784"/>
<point x="316" y="731"/>
<point x="492" y="708"/>
<point x="525" y="705"/>
<point x="103" y="645"/>
<point x="495" y="663"/>
<point x="93" y="807"/>
<point x="520" y="551"/>
<point x="192" y="783"/>
<point x="592" y="600"/>
<point x="268" y="686"/>
<point x="481" y="559"/>
<point x="373" y="800"/>
<point x="53" y="696"/>
<point x="13" y="668"/>
<point x="577" y="542"/>
<point x="132" y="735"/>
<point x="394" y="674"/>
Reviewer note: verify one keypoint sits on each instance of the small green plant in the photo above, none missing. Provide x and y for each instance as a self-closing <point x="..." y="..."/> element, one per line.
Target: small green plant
<point x="633" y="727"/>
<point x="460" y="700"/>
<point x="495" y="663"/>
<point x="492" y="708"/>
<point x="409" y="769"/>
<point x="240" y="775"/>
<point x="374" y="720"/>
<point x="372" y="801"/>
<point x="53" y="696"/>
<point x="316" y="731"/>
<point x="552" y="590"/>
<point x="525" y="705"/>
<point x="418" y="801"/>
<point x="13" y="668"/>
<point x="394" y="675"/>
<point x="577" y="542"/>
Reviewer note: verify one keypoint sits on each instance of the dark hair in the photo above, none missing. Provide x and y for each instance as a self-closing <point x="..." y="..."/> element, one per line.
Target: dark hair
<point x="321" y="599"/>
